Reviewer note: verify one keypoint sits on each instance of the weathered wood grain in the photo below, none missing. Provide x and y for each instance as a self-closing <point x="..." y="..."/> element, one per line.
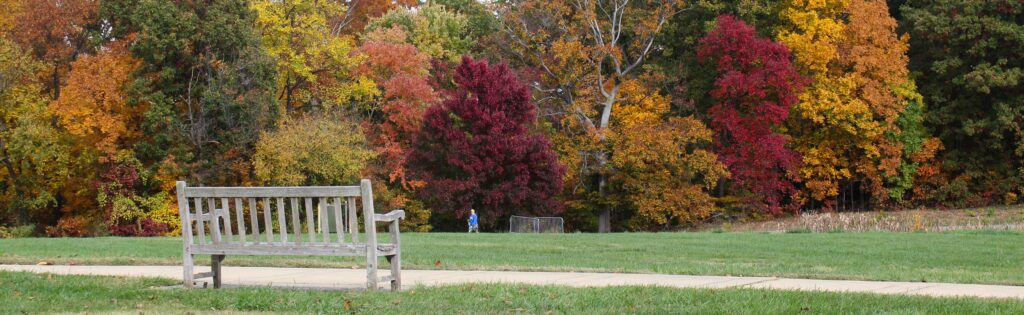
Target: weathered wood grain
<point x="253" y="222"/>
<point x="366" y="194"/>
<point x="282" y="221"/>
<point x="353" y="224"/>
<point x="240" y="218"/>
<point x="186" y="234"/>
<point x="200" y="226"/>
<point x="214" y="221"/>
<point x="310" y="221"/>
<point x="296" y="223"/>
<point x="244" y="192"/>
<point x="225" y="211"/>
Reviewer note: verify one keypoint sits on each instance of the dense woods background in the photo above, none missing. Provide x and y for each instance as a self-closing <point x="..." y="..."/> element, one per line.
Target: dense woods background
<point x="615" y="114"/>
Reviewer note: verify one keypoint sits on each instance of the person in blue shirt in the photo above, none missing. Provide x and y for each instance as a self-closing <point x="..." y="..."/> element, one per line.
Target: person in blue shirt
<point x="473" y="226"/>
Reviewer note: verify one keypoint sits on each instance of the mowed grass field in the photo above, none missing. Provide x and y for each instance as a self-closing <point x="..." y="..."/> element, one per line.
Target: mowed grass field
<point x="46" y="293"/>
<point x="985" y="257"/>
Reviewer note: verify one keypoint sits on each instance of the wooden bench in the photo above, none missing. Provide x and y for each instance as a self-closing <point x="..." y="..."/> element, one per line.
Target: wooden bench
<point x="242" y="221"/>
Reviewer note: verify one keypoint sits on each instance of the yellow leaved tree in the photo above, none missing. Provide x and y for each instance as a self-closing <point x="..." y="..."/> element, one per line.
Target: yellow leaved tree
<point x="313" y="149"/>
<point x="831" y="127"/>
<point x="315" y="65"/>
<point x="662" y="166"/>
<point x="857" y="126"/>
<point x="94" y="105"/>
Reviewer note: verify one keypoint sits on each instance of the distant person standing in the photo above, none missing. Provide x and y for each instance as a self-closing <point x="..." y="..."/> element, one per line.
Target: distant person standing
<point x="473" y="224"/>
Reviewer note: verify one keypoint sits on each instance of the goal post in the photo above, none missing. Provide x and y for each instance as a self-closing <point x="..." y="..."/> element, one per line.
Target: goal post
<point x="523" y="224"/>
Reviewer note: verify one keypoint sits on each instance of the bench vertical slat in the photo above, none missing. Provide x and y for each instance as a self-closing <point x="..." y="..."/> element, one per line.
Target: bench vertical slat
<point x="325" y="225"/>
<point x="267" y="223"/>
<point x="253" y="222"/>
<point x="225" y="208"/>
<point x="339" y="224"/>
<point x="310" y="219"/>
<point x="282" y="220"/>
<point x="321" y="213"/>
<point x="240" y="219"/>
<point x="211" y="203"/>
<point x="296" y="223"/>
<point x="200" y="226"/>
<point x="353" y="225"/>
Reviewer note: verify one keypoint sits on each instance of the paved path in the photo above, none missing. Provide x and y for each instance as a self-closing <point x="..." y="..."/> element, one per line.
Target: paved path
<point x="321" y="278"/>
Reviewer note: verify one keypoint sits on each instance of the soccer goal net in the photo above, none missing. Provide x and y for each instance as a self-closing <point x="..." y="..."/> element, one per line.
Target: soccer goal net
<point x="520" y="224"/>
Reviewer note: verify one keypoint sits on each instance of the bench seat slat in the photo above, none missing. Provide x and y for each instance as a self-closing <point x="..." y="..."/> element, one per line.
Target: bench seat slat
<point x="306" y="249"/>
<point x="276" y="249"/>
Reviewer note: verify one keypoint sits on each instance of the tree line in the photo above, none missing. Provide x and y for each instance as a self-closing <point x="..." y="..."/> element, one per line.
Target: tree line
<point x="615" y="114"/>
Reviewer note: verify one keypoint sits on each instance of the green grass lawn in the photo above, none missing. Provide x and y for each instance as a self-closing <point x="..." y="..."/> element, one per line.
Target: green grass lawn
<point x="962" y="257"/>
<point x="45" y="293"/>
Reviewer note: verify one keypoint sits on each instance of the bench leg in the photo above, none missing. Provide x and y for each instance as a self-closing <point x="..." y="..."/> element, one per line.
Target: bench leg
<point x="396" y="260"/>
<point x="371" y="270"/>
<point x="215" y="263"/>
<point x="396" y="272"/>
<point x="189" y="280"/>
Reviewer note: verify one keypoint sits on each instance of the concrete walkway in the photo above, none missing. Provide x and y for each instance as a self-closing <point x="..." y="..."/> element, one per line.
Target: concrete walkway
<point x="320" y="278"/>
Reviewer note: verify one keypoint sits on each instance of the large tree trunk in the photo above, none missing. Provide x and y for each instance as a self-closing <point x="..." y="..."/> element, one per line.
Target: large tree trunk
<point x="604" y="220"/>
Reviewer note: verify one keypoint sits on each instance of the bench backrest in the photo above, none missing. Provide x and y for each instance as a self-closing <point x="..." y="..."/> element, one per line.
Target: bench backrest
<point x="315" y="215"/>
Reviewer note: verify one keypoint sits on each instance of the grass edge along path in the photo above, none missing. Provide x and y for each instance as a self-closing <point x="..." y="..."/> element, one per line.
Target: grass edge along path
<point x="980" y="257"/>
<point x="49" y="293"/>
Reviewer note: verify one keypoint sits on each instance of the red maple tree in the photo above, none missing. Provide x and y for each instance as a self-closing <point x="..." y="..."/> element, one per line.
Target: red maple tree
<point x="475" y="150"/>
<point x="754" y="89"/>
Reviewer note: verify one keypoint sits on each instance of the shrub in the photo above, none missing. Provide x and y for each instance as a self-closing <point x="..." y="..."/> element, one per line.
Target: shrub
<point x="146" y="227"/>
<point x="17" y="231"/>
<point x="316" y="149"/>
<point x="1010" y="198"/>
<point x="73" y="226"/>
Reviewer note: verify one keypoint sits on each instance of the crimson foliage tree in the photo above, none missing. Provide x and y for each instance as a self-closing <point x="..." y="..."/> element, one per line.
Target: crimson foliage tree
<point x="475" y="151"/>
<point x="755" y="86"/>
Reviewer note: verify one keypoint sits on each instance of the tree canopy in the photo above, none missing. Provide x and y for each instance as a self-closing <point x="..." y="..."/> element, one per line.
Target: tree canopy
<point x="616" y="115"/>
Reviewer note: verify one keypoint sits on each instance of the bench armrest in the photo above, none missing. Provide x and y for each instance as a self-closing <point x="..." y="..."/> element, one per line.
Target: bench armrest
<point x="390" y="216"/>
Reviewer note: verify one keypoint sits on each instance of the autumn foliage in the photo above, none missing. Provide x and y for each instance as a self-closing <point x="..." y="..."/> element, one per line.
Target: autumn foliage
<point x="755" y="88"/>
<point x="617" y="115"/>
<point x="94" y="104"/>
<point x="664" y="169"/>
<point x="475" y="150"/>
